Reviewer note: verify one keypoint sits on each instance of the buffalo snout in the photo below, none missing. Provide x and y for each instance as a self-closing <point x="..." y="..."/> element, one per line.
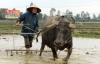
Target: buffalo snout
<point x="58" y="43"/>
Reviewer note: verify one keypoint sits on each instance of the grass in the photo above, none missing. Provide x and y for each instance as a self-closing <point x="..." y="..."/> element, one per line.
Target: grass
<point x="86" y="35"/>
<point x="91" y="30"/>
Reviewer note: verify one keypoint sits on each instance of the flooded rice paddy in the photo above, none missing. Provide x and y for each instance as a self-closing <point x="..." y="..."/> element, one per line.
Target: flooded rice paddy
<point x="85" y="51"/>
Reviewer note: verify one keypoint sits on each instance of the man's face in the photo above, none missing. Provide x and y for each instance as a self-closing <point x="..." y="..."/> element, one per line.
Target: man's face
<point x="34" y="10"/>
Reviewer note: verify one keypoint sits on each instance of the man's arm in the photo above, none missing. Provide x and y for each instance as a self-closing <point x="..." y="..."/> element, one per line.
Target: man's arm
<point x="20" y="19"/>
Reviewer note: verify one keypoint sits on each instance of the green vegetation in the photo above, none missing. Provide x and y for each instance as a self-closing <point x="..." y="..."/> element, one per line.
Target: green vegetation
<point x="8" y="26"/>
<point x="86" y="35"/>
<point x="91" y="30"/>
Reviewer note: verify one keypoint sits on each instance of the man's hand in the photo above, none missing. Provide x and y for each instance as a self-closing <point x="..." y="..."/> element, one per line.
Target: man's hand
<point x="37" y="33"/>
<point x="37" y="36"/>
<point x="18" y="23"/>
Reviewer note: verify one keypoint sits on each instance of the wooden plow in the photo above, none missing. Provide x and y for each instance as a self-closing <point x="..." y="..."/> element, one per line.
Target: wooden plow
<point x="16" y="51"/>
<point x="13" y="51"/>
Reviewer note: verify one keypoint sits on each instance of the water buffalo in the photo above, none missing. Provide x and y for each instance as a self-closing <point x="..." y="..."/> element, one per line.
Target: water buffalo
<point x="58" y="37"/>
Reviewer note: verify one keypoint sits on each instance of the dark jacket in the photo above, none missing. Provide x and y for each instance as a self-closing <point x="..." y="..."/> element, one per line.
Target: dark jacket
<point x="30" y="23"/>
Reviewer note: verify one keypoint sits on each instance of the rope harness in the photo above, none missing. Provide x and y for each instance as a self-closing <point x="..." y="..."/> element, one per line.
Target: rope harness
<point x="48" y="28"/>
<point x="25" y="25"/>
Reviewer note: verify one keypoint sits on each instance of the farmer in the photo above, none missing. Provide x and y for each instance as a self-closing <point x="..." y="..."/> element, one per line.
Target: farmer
<point x="30" y="25"/>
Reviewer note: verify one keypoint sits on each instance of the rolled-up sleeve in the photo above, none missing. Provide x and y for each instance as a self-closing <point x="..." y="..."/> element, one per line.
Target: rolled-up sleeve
<point x="21" y="18"/>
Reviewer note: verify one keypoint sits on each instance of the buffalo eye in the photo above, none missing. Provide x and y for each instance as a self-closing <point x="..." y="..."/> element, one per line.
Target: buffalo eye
<point x="65" y="30"/>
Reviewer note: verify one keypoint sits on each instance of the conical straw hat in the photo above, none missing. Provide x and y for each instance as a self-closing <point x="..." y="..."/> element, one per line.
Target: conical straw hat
<point x="34" y="6"/>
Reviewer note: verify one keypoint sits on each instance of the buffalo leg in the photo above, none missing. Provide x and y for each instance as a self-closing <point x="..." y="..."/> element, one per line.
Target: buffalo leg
<point x="68" y="55"/>
<point x="54" y="53"/>
<point x="41" y="49"/>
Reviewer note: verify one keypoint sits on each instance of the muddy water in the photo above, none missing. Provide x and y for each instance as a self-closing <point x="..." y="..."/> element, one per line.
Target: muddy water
<point x="85" y="51"/>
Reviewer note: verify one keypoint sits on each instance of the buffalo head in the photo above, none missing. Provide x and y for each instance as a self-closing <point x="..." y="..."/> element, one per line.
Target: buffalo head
<point x="64" y="31"/>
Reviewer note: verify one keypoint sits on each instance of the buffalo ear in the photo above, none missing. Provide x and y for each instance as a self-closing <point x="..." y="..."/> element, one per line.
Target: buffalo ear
<point x="75" y="26"/>
<point x="72" y="25"/>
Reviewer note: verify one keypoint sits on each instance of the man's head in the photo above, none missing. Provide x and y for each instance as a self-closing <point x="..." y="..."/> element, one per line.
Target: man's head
<point x="34" y="10"/>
